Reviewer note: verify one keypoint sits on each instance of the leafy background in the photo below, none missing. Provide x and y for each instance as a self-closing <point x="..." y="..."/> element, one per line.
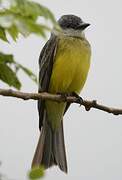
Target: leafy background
<point x="20" y="17"/>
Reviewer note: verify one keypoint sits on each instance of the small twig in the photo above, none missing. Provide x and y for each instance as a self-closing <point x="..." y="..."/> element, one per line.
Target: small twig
<point x="59" y="98"/>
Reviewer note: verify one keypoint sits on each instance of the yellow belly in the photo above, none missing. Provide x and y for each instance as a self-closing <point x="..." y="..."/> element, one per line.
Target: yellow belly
<point x="71" y="65"/>
<point x="69" y="74"/>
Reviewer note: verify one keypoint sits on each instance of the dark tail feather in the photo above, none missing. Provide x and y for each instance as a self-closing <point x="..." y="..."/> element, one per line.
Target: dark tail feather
<point x="51" y="148"/>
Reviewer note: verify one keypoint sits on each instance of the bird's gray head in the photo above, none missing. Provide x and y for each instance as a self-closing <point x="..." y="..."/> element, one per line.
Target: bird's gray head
<point x="71" y="25"/>
<point x="72" y="22"/>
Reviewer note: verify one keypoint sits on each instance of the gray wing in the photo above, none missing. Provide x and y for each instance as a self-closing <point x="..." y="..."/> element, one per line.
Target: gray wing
<point x="46" y="60"/>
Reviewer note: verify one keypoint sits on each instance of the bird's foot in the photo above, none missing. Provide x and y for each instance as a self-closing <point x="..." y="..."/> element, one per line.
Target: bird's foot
<point x="79" y="99"/>
<point x="64" y="95"/>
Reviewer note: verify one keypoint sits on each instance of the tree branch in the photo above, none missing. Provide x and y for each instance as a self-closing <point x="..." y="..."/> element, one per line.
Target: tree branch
<point x="59" y="98"/>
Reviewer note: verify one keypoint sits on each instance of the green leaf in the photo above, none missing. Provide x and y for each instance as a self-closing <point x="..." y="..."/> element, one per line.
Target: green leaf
<point x="9" y="59"/>
<point x="48" y="14"/>
<point x="41" y="11"/>
<point x="23" y="17"/>
<point x="33" y="10"/>
<point x="8" y="76"/>
<point x="3" y="34"/>
<point x="36" y="28"/>
<point x="6" y="58"/>
<point x="28" y="72"/>
<point x="22" y="26"/>
<point x="27" y="26"/>
<point x="36" y="173"/>
<point x="13" y="31"/>
<point x="28" y="9"/>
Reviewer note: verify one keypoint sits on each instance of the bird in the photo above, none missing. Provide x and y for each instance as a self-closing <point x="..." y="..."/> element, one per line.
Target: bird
<point x="63" y="68"/>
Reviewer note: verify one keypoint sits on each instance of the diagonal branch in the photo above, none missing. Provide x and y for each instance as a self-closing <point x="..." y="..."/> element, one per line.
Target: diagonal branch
<point x="59" y="98"/>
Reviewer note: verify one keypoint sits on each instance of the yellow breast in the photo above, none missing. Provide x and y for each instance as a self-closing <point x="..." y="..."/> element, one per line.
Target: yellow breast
<point x="71" y="65"/>
<point x="70" y="68"/>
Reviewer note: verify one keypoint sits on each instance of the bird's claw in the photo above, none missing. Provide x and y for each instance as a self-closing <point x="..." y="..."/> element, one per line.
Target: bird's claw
<point x="65" y="95"/>
<point x="79" y="99"/>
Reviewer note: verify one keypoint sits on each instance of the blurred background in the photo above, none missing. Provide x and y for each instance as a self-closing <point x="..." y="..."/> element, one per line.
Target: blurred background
<point x="93" y="139"/>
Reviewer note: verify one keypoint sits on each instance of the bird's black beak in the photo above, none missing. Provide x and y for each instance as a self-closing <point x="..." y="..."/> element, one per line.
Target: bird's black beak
<point x="83" y="25"/>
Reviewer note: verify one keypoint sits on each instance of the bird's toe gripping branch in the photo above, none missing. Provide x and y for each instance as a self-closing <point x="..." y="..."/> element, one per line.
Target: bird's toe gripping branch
<point x="64" y="97"/>
<point x="79" y="98"/>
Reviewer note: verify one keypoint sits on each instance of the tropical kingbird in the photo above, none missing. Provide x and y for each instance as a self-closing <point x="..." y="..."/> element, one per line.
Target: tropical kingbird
<point x="63" y="67"/>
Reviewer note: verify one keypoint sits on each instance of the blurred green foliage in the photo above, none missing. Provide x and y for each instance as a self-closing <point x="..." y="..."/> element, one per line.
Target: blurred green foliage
<point x="9" y="68"/>
<point x="36" y="173"/>
<point x="20" y="17"/>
